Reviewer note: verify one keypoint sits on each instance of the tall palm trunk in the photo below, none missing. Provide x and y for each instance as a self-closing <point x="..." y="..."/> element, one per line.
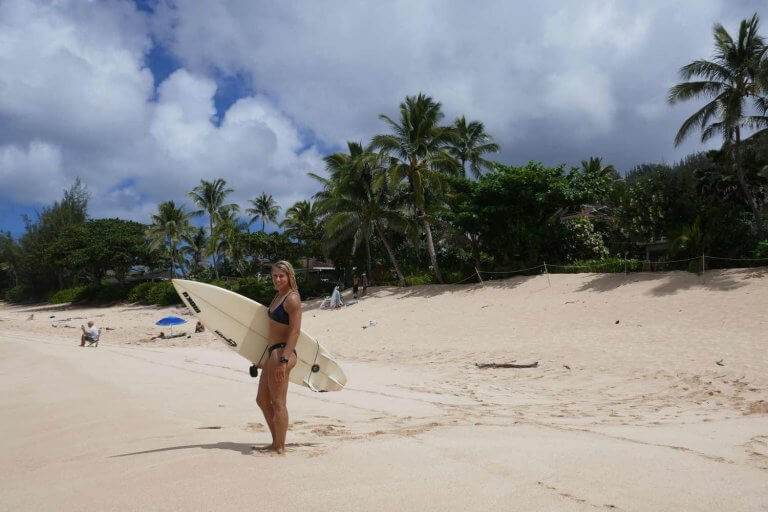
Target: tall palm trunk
<point x="739" y="171"/>
<point x="368" y="254"/>
<point x="213" y="249"/>
<point x="173" y="256"/>
<point x="475" y="246"/>
<point x="391" y="254"/>
<point x="430" y="244"/>
<point x="422" y="216"/>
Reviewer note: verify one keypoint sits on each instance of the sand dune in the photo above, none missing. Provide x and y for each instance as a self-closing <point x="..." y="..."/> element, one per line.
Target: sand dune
<point x="651" y="393"/>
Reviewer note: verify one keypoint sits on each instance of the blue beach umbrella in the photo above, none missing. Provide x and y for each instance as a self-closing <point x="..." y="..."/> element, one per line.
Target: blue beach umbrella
<point x="170" y="321"/>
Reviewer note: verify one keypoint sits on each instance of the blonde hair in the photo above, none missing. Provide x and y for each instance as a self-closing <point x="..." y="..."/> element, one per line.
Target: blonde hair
<point x="286" y="267"/>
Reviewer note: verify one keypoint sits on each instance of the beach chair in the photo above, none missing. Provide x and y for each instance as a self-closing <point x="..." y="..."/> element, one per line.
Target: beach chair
<point x="333" y="301"/>
<point x="94" y="341"/>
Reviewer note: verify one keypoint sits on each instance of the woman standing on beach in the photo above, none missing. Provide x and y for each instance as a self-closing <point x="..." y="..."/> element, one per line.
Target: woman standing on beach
<point x="284" y="326"/>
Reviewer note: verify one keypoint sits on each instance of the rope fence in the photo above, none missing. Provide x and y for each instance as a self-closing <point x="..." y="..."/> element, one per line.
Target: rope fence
<point x="629" y="266"/>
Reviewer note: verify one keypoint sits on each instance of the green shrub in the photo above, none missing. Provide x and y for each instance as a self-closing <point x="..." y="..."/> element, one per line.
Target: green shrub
<point x="163" y="293"/>
<point x="310" y="288"/>
<point x="97" y="294"/>
<point x="420" y="278"/>
<point x="106" y="293"/>
<point x="138" y="293"/>
<point x="67" y="295"/>
<point x="19" y="293"/>
<point x="608" y="265"/>
<point x="262" y="290"/>
<point x="762" y="249"/>
<point x="254" y="288"/>
<point x="460" y="276"/>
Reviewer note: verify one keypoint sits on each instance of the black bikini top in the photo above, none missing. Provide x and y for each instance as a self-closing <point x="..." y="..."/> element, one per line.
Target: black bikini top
<point x="280" y="315"/>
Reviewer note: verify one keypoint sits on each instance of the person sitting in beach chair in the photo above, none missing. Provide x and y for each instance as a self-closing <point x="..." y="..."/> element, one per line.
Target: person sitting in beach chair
<point x="90" y="334"/>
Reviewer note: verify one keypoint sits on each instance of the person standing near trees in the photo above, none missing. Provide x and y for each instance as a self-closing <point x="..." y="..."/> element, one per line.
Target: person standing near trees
<point x="365" y="283"/>
<point x="355" y="285"/>
<point x="284" y="327"/>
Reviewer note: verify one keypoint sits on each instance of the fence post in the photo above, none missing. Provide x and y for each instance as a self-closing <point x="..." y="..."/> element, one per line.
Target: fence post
<point x="547" y="272"/>
<point x="478" y="276"/>
<point x="703" y="264"/>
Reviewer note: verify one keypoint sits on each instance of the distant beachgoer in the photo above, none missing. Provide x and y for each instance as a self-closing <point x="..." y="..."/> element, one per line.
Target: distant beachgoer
<point x="336" y="301"/>
<point x="161" y="336"/>
<point x="285" y="324"/>
<point x="365" y="283"/>
<point x="199" y="327"/>
<point x="90" y="334"/>
<point x="355" y="285"/>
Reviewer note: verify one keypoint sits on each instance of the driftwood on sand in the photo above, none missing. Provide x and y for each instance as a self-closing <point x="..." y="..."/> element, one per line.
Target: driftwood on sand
<point x="507" y="365"/>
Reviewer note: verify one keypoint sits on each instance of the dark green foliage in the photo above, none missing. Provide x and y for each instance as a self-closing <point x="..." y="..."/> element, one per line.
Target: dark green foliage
<point x="67" y="295"/>
<point x="262" y="291"/>
<point x="163" y="293"/>
<point x="19" y="293"/>
<point x="762" y="250"/>
<point x="37" y="267"/>
<point x="581" y="241"/>
<point x="269" y="247"/>
<point x="100" y="245"/>
<point x="313" y="287"/>
<point x="517" y="212"/>
<point x="420" y="278"/>
<point x="608" y="265"/>
<point x="138" y="293"/>
<point x="92" y="293"/>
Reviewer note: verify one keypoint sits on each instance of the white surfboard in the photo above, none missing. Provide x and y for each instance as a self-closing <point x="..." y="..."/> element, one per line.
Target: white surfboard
<point x="243" y="325"/>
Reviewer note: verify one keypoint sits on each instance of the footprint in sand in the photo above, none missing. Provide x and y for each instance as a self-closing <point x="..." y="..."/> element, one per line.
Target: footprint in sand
<point x="330" y="430"/>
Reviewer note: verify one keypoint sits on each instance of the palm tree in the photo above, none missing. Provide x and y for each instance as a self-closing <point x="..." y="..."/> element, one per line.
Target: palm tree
<point x="196" y="247"/>
<point x="210" y="196"/>
<point x="417" y="148"/>
<point x="169" y="225"/>
<point x="689" y="240"/>
<point x="227" y="239"/>
<point x="470" y="142"/>
<point x="264" y="208"/>
<point x="596" y="180"/>
<point x="359" y="203"/>
<point x="302" y="222"/>
<point x="735" y="75"/>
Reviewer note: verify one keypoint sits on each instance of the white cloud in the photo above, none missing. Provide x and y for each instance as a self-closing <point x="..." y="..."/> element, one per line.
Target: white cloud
<point x="335" y="65"/>
<point x="553" y="81"/>
<point x="31" y="174"/>
<point x="77" y="100"/>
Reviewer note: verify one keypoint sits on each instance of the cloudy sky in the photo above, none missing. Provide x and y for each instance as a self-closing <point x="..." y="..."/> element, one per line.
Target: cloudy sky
<point x="143" y="99"/>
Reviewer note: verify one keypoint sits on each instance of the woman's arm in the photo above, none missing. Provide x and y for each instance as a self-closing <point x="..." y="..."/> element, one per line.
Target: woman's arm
<point x="292" y="306"/>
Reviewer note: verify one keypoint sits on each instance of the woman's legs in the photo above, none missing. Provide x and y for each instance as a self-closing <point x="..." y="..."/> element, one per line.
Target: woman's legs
<point x="278" y="393"/>
<point x="265" y="404"/>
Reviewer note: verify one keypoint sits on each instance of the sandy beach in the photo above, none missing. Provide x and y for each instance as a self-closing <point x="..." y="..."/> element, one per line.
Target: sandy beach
<point x="651" y="393"/>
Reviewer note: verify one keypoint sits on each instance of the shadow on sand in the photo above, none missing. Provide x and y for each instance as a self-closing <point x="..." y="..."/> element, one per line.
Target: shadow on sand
<point x="243" y="448"/>
<point x="672" y="282"/>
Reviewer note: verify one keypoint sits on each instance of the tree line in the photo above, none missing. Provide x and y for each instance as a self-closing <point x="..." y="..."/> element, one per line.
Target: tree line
<point x="423" y="202"/>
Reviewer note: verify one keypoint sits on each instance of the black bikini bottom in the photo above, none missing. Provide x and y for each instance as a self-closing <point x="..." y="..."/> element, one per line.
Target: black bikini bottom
<point x="276" y="346"/>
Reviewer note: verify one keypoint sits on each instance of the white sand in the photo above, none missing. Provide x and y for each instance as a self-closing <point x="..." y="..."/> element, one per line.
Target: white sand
<point x="642" y="419"/>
